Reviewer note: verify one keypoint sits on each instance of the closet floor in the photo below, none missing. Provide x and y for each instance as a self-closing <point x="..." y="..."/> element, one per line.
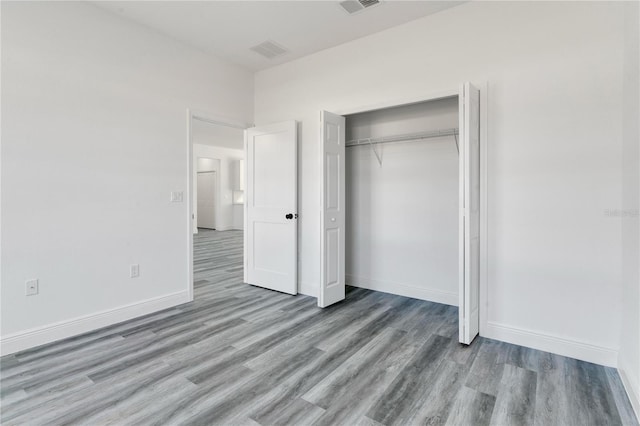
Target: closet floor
<point x="240" y="354"/>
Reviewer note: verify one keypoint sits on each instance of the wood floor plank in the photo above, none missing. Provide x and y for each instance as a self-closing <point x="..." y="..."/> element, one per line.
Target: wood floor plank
<point x="551" y="394"/>
<point x="78" y="405"/>
<point x="298" y="411"/>
<point x="418" y="373"/>
<point x="259" y="389"/>
<point x="137" y="406"/>
<point x="487" y="367"/>
<point x="433" y="404"/>
<point x="184" y="406"/>
<point x="515" y="402"/>
<point x="471" y="408"/>
<point x="349" y="392"/>
<point x="590" y="399"/>
<point x="358" y="367"/>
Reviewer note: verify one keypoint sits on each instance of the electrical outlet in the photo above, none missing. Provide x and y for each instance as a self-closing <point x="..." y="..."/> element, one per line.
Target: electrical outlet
<point x="176" y="197"/>
<point x="134" y="271"/>
<point x="32" y="287"/>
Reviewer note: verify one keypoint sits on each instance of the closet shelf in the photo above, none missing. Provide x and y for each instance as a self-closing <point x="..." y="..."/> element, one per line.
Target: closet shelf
<point x="403" y="137"/>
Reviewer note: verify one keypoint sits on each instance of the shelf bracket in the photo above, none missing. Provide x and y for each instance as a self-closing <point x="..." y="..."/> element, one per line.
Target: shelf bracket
<point x="455" y="135"/>
<point x="373" y="148"/>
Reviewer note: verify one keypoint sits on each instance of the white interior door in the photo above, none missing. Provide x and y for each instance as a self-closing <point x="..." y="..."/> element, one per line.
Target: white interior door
<point x="271" y="202"/>
<point x="469" y="227"/>
<point x="206" y="191"/>
<point x="332" y="210"/>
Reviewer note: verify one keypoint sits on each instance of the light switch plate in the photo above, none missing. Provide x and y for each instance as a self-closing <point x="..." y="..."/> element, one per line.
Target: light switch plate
<point x="176" y="196"/>
<point x="134" y="271"/>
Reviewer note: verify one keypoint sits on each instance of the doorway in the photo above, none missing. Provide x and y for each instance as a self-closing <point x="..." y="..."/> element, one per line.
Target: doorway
<point x="206" y="189"/>
<point x="216" y="202"/>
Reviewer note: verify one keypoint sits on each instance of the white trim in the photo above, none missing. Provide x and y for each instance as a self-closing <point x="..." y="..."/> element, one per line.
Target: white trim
<point x="550" y="343"/>
<point x="72" y="327"/>
<point x="190" y="212"/>
<point x="403" y="289"/>
<point x="315" y="291"/>
<point x="433" y="96"/>
<point x="484" y="207"/>
<point x="632" y="388"/>
<point x="218" y="120"/>
<point x="245" y="213"/>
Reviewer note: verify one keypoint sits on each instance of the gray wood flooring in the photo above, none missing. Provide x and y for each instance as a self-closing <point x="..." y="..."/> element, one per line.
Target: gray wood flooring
<point x="244" y="355"/>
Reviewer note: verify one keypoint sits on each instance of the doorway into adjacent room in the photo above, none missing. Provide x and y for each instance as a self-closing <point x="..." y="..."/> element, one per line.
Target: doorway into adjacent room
<point x="217" y="195"/>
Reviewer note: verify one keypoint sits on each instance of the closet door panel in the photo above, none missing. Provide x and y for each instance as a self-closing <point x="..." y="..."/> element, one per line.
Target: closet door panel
<point x="469" y="273"/>
<point x="332" y="259"/>
<point x="333" y="254"/>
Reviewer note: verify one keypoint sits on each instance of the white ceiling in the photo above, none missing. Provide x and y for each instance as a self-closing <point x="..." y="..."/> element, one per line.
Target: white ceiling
<point x="227" y="29"/>
<point x="204" y="133"/>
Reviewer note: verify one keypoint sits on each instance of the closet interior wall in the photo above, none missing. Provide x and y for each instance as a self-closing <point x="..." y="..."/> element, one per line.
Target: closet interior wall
<point x="402" y="215"/>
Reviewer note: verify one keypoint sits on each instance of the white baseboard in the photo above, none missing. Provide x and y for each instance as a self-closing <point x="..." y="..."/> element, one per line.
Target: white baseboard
<point x="406" y="290"/>
<point x="632" y="387"/>
<point x="549" y="343"/>
<point x="49" y="333"/>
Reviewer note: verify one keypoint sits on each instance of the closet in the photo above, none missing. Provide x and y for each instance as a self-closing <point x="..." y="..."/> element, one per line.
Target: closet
<point x="400" y="202"/>
<point x="401" y="218"/>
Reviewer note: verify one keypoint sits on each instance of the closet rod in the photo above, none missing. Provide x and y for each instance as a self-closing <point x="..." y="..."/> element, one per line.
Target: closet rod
<point x="403" y="137"/>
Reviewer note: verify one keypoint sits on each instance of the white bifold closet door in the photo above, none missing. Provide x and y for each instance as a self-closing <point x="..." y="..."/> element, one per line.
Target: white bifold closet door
<point x="332" y="213"/>
<point x="469" y="256"/>
<point x="271" y="205"/>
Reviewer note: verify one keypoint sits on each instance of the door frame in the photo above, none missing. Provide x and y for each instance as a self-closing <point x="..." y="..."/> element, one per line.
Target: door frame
<point x="211" y="119"/>
<point x="483" y="86"/>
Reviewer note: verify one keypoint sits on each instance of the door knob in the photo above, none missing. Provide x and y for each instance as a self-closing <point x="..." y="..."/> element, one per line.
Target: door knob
<point x="289" y="216"/>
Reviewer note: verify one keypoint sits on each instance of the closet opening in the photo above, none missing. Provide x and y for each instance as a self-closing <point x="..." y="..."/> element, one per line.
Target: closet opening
<point x="401" y="192"/>
<point x="400" y="202"/>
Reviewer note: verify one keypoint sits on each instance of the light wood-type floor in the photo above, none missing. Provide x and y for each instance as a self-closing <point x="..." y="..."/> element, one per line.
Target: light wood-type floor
<point x="244" y="355"/>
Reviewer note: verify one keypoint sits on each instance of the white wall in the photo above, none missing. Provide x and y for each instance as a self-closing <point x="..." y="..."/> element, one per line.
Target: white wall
<point x="94" y="139"/>
<point x="629" y="360"/>
<point x="402" y="216"/>
<point x="554" y="150"/>
<point x="228" y="215"/>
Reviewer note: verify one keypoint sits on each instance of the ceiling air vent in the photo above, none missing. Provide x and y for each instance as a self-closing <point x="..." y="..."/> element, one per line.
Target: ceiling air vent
<point x="269" y="49"/>
<point x="355" y="6"/>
